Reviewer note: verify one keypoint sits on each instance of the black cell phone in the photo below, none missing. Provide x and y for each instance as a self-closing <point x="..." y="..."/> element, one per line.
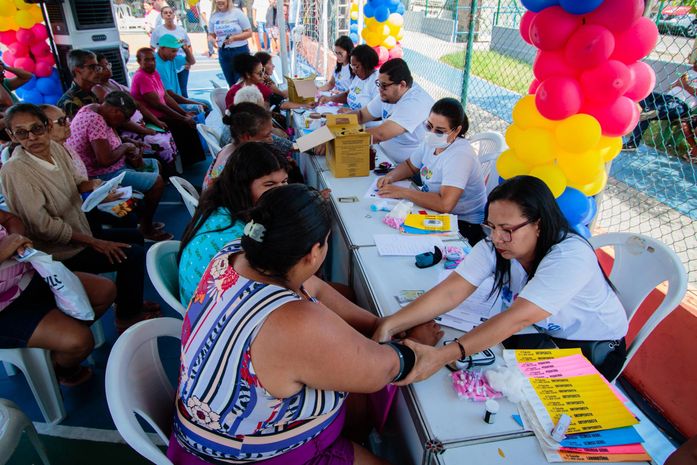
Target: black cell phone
<point x="529" y="341"/>
<point x="382" y="170"/>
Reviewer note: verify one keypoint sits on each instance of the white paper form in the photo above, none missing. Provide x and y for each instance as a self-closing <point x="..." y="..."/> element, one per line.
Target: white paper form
<point x="372" y="193"/>
<point x="397" y="245"/>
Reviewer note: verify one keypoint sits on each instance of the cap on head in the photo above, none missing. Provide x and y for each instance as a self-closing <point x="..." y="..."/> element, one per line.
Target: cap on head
<point x="169" y="41"/>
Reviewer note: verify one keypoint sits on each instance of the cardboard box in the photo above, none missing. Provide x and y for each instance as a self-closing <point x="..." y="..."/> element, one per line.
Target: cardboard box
<point x="302" y="90"/>
<point x="348" y="145"/>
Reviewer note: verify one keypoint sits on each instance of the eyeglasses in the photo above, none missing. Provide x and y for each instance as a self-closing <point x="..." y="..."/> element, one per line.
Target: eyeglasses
<point x="37" y="130"/>
<point x="62" y="121"/>
<point x="506" y="234"/>
<point x="384" y="85"/>
<point x="93" y="67"/>
<point x="107" y="66"/>
<point x="440" y="132"/>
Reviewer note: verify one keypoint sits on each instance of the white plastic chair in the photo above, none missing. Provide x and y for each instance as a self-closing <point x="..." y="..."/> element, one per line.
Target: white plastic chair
<point x="136" y="384"/>
<point x="163" y="270"/>
<point x="642" y="263"/>
<point x="218" y="98"/>
<point x="187" y="191"/>
<point x="489" y="145"/>
<point x="13" y="422"/>
<point x="37" y="368"/>
<point x="211" y="137"/>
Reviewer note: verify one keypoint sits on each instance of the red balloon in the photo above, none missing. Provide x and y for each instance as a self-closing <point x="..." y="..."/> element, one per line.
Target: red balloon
<point x="636" y="42"/>
<point x="548" y="64"/>
<point x="558" y="97"/>
<point x="25" y="36"/>
<point x="25" y="63"/>
<point x="8" y="37"/>
<point x="40" y="32"/>
<point x="396" y="52"/>
<point x="589" y="46"/>
<point x="533" y="86"/>
<point x="616" y="119"/>
<point x="383" y="54"/>
<point x="19" y="49"/>
<point x="40" y="49"/>
<point x="43" y="69"/>
<point x="644" y="81"/>
<point x="606" y="82"/>
<point x="616" y="15"/>
<point x="525" y="25"/>
<point x="552" y="27"/>
<point x="48" y="59"/>
<point x="8" y="57"/>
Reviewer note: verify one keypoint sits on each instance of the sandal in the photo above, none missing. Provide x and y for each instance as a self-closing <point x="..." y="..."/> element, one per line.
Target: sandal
<point x="157" y="235"/>
<point x="159" y="225"/>
<point x="71" y="377"/>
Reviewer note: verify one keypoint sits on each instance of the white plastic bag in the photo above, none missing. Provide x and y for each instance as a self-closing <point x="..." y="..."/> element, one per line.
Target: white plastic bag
<point x="71" y="297"/>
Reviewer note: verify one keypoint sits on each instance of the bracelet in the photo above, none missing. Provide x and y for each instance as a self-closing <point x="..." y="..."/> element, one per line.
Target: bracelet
<point x="407" y="359"/>
<point x="462" y="350"/>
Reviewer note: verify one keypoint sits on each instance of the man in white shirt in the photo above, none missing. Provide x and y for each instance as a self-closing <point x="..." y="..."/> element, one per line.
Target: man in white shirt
<point x="674" y="104"/>
<point x="403" y="106"/>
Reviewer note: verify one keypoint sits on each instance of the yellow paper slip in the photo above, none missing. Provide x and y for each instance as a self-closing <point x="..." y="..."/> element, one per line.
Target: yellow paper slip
<point x="524" y="356"/>
<point x="420" y="222"/>
<point x="588" y="400"/>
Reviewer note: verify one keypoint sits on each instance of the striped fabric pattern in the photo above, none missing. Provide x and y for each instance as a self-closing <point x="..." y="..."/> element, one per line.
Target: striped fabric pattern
<point x="224" y="414"/>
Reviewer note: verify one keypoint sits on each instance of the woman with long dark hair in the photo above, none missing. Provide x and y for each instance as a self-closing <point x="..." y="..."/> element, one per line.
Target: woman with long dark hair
<point x="546" y="274"/>
<point x="341" y="77"/>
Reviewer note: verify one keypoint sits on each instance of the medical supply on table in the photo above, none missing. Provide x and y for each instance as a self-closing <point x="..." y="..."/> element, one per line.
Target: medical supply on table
<point x="492" y="408"/>
<point x="473" y="385"/>
<point x="383" y="205"/>
<point x="559" y="430"/>
<point x="395" y="218"/>
<point x="428" y="259"/>
<point x="453" y="256"/>
<point x="508" y="381"/>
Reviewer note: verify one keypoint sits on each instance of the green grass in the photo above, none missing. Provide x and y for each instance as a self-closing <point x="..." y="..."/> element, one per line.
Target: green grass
<point x="500" y="69"/>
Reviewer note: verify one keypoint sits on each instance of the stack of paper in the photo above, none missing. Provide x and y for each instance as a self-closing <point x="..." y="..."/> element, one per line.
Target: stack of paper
<point x="563" y="381"/>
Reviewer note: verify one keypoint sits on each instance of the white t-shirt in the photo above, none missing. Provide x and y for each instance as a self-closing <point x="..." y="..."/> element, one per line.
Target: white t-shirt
<point x="568" y="284"/>
<point x="178" y="32"/>
<point x="684" y="95"/>
<point x="227" y="23"/>
<point x="409" y="112"/>
<point x="151" y="20"/>
<point x="261" y="7"/>
<point x="362" y="91"/>
<point x="342" y="79"/>
<point x="456" y="166"/>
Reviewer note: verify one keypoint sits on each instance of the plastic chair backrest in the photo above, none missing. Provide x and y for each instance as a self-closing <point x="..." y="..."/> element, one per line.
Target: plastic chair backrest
<point x="642" y="263"/>
<point x="211" y="137"/>
<point x="218" y="97"/>
<point x="136" y="384"/>
<point x="488" y="146"/>
<point x="187" y="191"/>
<point x="163" y="270"/>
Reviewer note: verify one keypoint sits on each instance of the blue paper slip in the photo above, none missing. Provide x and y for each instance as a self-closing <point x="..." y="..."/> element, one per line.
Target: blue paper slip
<point x="605" y="438"/>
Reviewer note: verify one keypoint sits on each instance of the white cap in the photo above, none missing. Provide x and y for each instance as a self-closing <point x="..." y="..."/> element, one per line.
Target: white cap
<point x="491" y="406"/>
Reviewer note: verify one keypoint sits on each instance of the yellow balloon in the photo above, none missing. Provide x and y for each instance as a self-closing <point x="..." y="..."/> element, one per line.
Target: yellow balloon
<point x="508" y="165"/>
<point x="35" y="11"/>
<point x="370" y="22"/>
<point x="8" y="24"/>
<point x="395" y="21"/>
<point x="525" y="115"/>
<point x="536" y="146"/>
<point x="580" y="168"/>
<point x="21" y="5"/>
<point x="193" y="2"/>
<point x="578" y="133"/>
<point x="552" y="176"/>
<point x="513" y="135"/>
<point x="389" y="42"/>
<point x="354" y="7"/>
<point x="594" y="187"/>
<point x="354" y="15"/>
<point x="24" y="19"/>
<point x="609" y="147"/>
<point x="8" y="9"/>
<point x="399" y="35"/>
<point x="371" y="39"/>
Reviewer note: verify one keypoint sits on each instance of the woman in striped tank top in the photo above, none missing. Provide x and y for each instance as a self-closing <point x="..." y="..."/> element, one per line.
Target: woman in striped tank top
<point x="265" y="367"/>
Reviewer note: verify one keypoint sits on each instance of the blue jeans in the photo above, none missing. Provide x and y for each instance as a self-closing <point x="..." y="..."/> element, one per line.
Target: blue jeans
<point x="261" y="31"/>
<point x="183" y="78"/>
<point x="226" y="58"/>
<point x="141" y="180"/>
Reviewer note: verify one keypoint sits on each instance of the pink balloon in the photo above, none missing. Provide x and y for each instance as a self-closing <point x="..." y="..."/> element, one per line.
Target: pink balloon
<point x="40" y="49"/>
<point x="40" y="32"/>
<point x="19" y="49"/>
<point x="525" y="22"/>
<point x="606" y="82"/>
<point x="616" y="15"/>
<point x="8" y="57"/>
<point x="43" y="69"/>
<point x="396" y="52"/>
<point x="644" y="81"/>
<point x="383" y="54"/>
<point x="533" y="86"/>
<point x="558" y="97"/>
<point x="8" y="37"/>
<point x="636" y="42"/>
<point x="25" y="63"/>
<point x="48" y="59"/>
<point x="616" y="119"/>
<point x="25" y="36"/>
<point x="589" y="46"/>
<point x="548" y="64"/>
<point x="552" y="27"/>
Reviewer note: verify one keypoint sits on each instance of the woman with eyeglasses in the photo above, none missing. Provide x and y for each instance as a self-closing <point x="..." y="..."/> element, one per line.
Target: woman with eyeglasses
<point x="546" y="275"/>
<point x="361" y="89"/>
<point x="341" y="77"/>
<point x="451" y="176"/>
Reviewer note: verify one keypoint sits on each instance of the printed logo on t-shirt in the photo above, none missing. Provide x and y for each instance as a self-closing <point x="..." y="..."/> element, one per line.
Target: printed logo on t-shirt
<point x="507" y="298"/>
<point x="385" y="114"/>
<point x="426" y="173"/>
<point x="553" y="327"/>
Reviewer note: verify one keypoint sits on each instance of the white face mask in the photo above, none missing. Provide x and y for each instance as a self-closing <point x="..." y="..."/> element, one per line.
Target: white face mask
<point x="437" y="141"/>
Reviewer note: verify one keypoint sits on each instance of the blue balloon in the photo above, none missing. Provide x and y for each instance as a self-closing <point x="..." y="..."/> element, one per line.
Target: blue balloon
<point x="33" y="96"/>
<point x="368" y="11"/>
<point x="592" y="211"/>
<point x="400" y="9"/>
<point x="579" y="7"/>
<point x="381" y="14"/>
<point x="354" y="37"/>
<point x="583" y="230"/>
<point x="354" y="28"/>
<point x="392" y="8"/>
<point x="539" y="5"/>
<point x="29" y="85"/>
<point x="47" y="86"/>
<point x="52" y="99"/>
<point x="574" y="205"/>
